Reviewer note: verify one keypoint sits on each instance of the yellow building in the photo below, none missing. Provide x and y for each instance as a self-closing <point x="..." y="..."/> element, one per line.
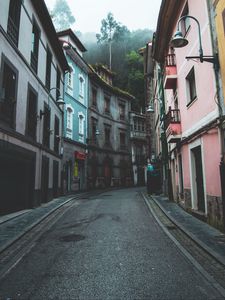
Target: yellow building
<point x="219" y="6"/>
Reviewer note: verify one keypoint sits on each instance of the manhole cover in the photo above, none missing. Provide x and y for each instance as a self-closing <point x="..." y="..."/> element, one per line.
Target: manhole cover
<point x="72" y="238"/>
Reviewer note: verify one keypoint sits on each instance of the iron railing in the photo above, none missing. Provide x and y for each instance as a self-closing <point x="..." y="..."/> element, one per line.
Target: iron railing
<point x="173" y="116"/>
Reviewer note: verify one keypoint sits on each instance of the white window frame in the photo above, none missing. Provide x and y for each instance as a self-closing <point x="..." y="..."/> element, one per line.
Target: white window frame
<point x="69" y="125"/>
<point x="70" y="80"/>
<point x="81" y="120"/>
<point x="81" y="86"/>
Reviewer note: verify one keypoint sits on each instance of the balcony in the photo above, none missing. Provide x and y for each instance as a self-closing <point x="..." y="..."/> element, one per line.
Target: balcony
<point x="140" y="135"/>
<point x="173" y="126"/>
<point x="170" y="81"/>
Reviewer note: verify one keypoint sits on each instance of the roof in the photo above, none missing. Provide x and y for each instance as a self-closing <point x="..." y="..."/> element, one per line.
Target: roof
<point x="73" y="36"/>
<point x="46" y="21"/>
<point x="95" y="77"/>
<point x="167" y="19"/>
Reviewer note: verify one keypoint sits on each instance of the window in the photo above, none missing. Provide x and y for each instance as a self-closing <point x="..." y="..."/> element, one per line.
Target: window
<point x="31" y="113"/>
<point x="107" y="136"/>
<point x="70" y="81"/>
<point x="81" y="127"/>
<point x="8" y="95"/>
<point x="94" y="97"/>
<point x="185" y="23"/>
<point x="122" y="141"/>
<point x="122" y="111"/>
<point x="93" y="129"/>
<point x="58" y="79"/>
<point x="46" y="126"/>
<point x="81" y="86"/>
<point x="14" y="20"/>
<point x="107" y="105"/>
<point x="69" y="122"/>
<point x="48" y="69"/>
<point x="56" y="135"/>
<point x="35" y="47"/>
<point x="191" y="86"/>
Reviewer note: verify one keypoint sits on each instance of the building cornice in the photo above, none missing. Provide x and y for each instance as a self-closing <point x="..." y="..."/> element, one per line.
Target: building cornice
<point x="167" y="19"/>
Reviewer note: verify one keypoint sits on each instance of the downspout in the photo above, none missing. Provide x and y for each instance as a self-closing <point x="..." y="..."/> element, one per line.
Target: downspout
<point x="219" y="102"/>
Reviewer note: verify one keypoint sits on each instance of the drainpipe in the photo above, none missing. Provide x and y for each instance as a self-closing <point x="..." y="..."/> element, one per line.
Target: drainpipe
<point x="220" y="104"/>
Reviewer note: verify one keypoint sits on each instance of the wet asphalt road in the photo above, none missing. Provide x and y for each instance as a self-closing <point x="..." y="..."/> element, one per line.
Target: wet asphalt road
<point x="107" y="247"/>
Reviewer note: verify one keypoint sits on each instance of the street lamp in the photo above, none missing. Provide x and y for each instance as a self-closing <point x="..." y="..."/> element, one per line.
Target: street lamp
<point x="60" y="102"/>
<point x="97" y="132"/>
<point x="150" y="107"/>
<point x="179" y="41"/>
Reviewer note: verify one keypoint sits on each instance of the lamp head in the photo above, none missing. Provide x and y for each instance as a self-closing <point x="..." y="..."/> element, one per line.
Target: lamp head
<point x="150" y="108"/>
<point x="178" y="41"/>
<point x="60" y="101"/>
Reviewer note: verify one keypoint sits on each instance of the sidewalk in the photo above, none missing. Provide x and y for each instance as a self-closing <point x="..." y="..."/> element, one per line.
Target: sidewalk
<point x="14" y="225"/>
<point x="209" y="238"/>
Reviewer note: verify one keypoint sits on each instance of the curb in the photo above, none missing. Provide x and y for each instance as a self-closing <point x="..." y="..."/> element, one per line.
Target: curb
<point x="213" y="253"/>
<point x="192" y="260"/>
<point x="28" y="228"/>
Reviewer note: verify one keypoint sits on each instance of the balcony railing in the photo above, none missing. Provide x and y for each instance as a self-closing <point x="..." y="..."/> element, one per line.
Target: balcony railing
<point x="170" y="60"/>
<point x="173" y="116"/>
<point x="138" y="134"/>
<point x="170" y="72"/>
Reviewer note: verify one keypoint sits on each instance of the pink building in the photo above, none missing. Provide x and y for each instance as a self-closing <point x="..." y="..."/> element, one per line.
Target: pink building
<point x="189" y="110"/>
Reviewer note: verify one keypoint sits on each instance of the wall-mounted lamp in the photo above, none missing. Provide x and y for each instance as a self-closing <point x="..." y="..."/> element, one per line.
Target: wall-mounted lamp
<point x="97" y="132"/>
<point x="150" y="108"/>
<point x="60" y="102"/>
<point x="179" y="41"/>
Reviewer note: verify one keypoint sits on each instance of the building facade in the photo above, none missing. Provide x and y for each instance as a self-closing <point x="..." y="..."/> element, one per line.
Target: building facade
<point x="189" y="109"/>
<point x="139" y="147"/>
<point x="109" y="154"/>
<point x="75" y="114"/>
<point x="32" y="66"/>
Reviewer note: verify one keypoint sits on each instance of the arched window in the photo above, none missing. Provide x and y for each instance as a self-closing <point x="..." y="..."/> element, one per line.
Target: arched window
<point x="81" y="119"/>
<point x="81" y="86"/>
<point x="70" y="77"/>
<point x="69" y="122"/>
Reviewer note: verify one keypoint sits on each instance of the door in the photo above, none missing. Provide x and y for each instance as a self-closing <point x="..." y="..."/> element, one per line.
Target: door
<point x="55" y="178"/>
<point x="44" y="179"/>
<point x="199" y="178"/>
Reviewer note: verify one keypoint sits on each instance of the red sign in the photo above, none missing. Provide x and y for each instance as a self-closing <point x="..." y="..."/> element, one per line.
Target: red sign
<point x="80" y="155"/>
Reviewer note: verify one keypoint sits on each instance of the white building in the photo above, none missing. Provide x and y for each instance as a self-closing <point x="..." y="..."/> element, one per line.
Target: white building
<point x="32" y="66"/>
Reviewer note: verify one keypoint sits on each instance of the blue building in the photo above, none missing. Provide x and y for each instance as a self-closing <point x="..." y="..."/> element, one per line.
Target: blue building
<point x="75" y="113"/>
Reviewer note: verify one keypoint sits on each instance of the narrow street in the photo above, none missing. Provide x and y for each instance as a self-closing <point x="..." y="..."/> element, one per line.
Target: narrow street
<point x="107" y="246"/>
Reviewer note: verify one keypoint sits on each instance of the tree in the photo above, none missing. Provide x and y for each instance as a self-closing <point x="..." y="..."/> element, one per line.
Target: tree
<point x="135" y="84"/>
<point x="108" y="28"/>
<point x="62" y="16"/>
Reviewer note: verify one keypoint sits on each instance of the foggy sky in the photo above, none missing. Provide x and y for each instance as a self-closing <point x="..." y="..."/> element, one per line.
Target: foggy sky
<point x="132" y="13"/>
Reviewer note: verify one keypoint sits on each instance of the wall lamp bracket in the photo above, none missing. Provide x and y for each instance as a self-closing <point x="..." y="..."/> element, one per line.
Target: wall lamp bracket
<point x="207" y="58"/>
<point x="42" y="113"/>
<point x="179" y="41"/>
